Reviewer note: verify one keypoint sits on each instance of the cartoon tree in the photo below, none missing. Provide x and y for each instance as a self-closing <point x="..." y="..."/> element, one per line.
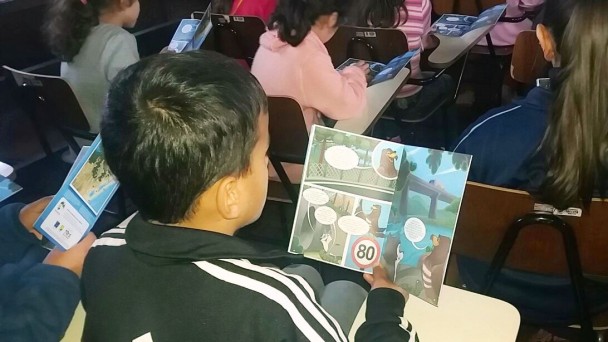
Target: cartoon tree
<point x="322" y="136"/>
<point x="453" y="206"/>
<point x="434" y="160"/>
<point x="460" y="161"/>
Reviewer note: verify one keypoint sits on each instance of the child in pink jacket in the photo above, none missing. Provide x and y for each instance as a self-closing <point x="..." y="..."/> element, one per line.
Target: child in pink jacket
<point x="504" y="34"/>
<point x="292" y="61"/>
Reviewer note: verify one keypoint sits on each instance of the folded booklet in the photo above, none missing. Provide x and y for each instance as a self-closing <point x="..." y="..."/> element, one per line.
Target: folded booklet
<point x="84" y="195"/>
<point x="191" y="33"/>
<point x="457" y="25"/>
<point x="383" y="72"/>
<point x="365" y="201"/>
<point x="8" y="188"/>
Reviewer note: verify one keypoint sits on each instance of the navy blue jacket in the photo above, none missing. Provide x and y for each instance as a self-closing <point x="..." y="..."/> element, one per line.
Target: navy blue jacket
<point x="17" y="245"/>
<point x="504" y="142"/>
<point x="37" y="301"/>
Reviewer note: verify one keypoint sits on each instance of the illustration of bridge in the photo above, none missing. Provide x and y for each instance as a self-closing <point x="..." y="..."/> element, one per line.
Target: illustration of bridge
<point x="436" y="193"/>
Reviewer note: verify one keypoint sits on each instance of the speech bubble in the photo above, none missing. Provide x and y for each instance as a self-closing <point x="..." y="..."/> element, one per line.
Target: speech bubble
<point x="325" y="215"/>
<point x="186" y="28"/>
<point x="414" y="229"/>
<point x="341" y="157"/>
<point x="315" y="196"/>
<point x="353" y="225"/>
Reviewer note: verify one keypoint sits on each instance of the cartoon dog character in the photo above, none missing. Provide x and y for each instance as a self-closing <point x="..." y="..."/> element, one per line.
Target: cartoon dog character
<point x="433" y="266"/>
<point x="387" y="163"/>
<point x="371" y="218"/>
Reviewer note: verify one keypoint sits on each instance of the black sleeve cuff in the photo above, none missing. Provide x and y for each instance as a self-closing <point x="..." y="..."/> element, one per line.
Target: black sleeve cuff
<point x="384" y="303"/>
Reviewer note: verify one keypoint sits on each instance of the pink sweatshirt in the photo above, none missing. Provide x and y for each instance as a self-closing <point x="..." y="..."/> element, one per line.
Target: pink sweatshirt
<point x="504" y="34"/>
<point x="306" y="74"/>
<point x="416" y="28"/>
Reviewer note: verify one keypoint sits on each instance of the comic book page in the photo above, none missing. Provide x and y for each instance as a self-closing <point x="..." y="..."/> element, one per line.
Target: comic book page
<point x="457" y="25"/>
<point x="365" y="201"/>
<point x="382" y="72"/>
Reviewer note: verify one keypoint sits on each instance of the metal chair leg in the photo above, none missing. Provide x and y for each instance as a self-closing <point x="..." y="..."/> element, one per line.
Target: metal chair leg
<point x="572" y="257"/>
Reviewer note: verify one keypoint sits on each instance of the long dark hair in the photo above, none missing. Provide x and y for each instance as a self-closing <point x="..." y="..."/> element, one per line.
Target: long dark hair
<point x="221" y="6"/>
<point x="68" y="23"/>
<point x="379" y="13"/>
<point x="293" y="19"/>
<point x="576" y="140"/>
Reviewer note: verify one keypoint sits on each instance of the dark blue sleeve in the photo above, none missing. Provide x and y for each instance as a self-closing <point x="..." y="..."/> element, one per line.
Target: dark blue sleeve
<point x="383" y="318"/>
<point x="37" y="302"/>
<point x="15" y="241"/>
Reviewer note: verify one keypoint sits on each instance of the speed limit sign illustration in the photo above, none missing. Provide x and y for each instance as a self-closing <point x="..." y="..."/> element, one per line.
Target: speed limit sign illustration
<point x="365" y="252"/>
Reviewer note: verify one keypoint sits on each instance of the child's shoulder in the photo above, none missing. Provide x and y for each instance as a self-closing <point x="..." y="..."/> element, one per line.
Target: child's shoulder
<point x="108" y="31"/>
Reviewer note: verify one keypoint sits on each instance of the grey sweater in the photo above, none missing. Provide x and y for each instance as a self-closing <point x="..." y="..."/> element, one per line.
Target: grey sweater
<point x="107" y="50"/>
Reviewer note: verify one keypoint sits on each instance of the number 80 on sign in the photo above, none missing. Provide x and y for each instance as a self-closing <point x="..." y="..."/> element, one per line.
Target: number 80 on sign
<point x="365" y="252"/>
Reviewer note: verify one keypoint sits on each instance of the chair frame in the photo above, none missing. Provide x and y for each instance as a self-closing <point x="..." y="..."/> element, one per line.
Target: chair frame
<point x="572" y="258"/>
<point x="235" y="26"/>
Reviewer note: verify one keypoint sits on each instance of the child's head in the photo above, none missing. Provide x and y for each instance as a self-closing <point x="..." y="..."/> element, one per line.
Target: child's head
<point x="295" y="18"/>
<point x="187" y="135"/>
<point x="550" y="31"/>
<point x="379" y="13"/>
<point x="69" y="22"/>
<point x="576" y="141"/>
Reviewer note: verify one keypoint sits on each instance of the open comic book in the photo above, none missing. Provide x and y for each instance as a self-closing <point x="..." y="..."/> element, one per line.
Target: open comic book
<point x="191" y="33"/>
<point x="383" y="72"/>
<point x="457" y="25"/>
<point x="364" y="201"/>
<point x="80" y="201"/>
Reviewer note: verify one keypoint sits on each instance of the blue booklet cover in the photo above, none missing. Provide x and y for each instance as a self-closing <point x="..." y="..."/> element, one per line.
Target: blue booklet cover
<point x="380" y="72"/>
<point x="365" y="201"/>
<point x="457" y="25"/>
<point x="80" y="201"/>
<point x="191" y="33"/>
<point x="8" y="188"/>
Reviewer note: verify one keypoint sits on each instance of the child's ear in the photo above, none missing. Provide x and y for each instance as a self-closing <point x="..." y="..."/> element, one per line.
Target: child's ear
<point x="126" y="4"/>
<point x="228" y="198"/>
<point x="333" y="19"/>
<point x="545" y="38"/>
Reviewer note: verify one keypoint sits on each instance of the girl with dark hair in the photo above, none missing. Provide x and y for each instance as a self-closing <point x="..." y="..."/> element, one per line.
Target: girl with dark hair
<point x="257" y="8"/>
<point x="292" y="61"/>
<point x="555" y="141"/>
<point x="88" y="36"/>
<point x="412" y="17"/>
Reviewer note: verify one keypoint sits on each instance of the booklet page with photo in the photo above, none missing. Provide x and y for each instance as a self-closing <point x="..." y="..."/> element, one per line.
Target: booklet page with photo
<point x="80" y="201"/>
<point x="380" y="72"/>
<point x="191" y="33"/>
<point x="457" y="25"/>
<point x="365" y="201"/>
<point x="8" y="188"/>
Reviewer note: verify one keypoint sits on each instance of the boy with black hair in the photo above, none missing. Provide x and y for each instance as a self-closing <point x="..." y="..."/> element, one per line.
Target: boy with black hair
<point x="187" y="135"/>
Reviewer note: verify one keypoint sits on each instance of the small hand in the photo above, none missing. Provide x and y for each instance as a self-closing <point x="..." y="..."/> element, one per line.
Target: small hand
<point x="72" y="259"/>
<point x="30" y="213"/>
<point x="379" y="279"/>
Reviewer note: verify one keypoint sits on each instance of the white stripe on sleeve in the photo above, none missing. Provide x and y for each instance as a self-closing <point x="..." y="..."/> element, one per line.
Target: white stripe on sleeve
<point x="313" y="307"/>
<point x="108" y="241"/>
<point x="265" y="290"/>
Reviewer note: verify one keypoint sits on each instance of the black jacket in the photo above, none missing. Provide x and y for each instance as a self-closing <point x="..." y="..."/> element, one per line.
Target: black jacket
<point x="165" y="283"/>
<point x="37" y="301"/>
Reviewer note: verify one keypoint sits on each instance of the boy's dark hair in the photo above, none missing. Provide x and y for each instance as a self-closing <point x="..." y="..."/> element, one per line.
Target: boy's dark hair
<point x="177" y="123"/>
<point x="67" y="24"/>
<point x="293" y="19"/>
